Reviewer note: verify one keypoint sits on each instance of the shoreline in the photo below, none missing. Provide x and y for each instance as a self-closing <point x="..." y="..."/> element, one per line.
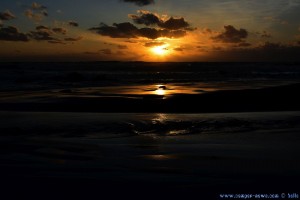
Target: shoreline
<point x="278" y="98"/>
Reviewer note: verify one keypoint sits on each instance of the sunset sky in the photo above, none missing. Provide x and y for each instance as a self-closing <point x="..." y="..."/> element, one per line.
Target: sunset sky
<point x="150" y="30"/>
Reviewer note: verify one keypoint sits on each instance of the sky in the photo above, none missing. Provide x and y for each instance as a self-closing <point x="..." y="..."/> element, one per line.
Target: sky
<point x="150" y="30"/>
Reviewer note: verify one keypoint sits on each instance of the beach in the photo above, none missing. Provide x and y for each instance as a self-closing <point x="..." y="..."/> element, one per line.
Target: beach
<point x="135" y="153"/>
<point x="160" y="139"/>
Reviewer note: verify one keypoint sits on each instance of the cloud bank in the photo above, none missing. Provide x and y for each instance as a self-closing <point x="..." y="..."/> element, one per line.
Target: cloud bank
<point x="170" y="28"/>
<point x="147" y="18"/>
<point x="128" y="30"/>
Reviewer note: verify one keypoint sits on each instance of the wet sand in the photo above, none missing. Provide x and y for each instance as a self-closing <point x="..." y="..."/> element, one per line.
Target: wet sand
<point x="53" y="154"/>
<point x="275" y="98"/>
<point x="148" y="130"/>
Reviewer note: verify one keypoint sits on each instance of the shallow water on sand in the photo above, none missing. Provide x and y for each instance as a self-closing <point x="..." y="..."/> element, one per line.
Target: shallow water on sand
<point x="98" y="125"/>
<point x="177" y="151"/>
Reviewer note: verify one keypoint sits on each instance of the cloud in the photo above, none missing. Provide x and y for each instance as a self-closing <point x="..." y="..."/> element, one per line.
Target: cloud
<point x="231" y="35"/>
<point x="140" y="2"/>
<point x="44" y="33"/>
<point x="270" y="52"/>
<point x="36" y="12"/>
<point x="37" y="6"/>
<point x="128" y="30"/>
<point x="243" y="44"/>
<point x="154" y="44"/>
<point x="122" y="30"/>
<point x="43" y="28"/>
<point x="34" y="16"/>
<point x="122" y="47"/>
<point x="72" y="23"/>
<point x="60" y="30"/>
<point x="7" y="15"/>
<point x="73" y="39"/>
<point x="178" y="49"/>
<point x="11" y="33"/>
<point x="41" y="35"/>
<point x="90" y="53"/>
<point x="147" y="18"/>
<point x="174" y="24"/>
<point x="57" y="41"/>
<point x="105" y="51"/>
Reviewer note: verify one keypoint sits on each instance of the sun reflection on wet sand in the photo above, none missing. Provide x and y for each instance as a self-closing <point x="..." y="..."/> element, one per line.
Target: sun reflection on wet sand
<point x="161" y="90"/>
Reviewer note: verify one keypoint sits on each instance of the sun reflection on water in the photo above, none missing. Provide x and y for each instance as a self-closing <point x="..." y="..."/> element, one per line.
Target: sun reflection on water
<point x="160" y="92"/>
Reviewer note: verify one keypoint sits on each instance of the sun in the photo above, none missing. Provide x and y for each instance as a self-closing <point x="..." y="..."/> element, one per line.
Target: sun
<point x="160" y="50"/>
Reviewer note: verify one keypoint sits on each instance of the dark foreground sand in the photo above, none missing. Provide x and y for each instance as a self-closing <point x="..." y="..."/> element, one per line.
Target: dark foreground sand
<point x="65" y="155"/>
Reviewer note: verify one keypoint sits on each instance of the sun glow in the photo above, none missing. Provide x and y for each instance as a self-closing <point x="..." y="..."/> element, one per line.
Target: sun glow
<point x="160" y="50"/>
<point x="161" y="90"/>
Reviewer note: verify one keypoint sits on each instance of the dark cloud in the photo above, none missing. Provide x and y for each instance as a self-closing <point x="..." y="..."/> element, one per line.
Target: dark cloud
<point x="154" y="44"/>
<point x="140" y="2"/>
<point x="147" y="18"/>
<point x="42" y="34"/>
<point x="7" y="15"/>
<point x="73" y="39"/>
<point x="128" y="30"/>
<point x="174" y="24"/>
<point x="11" y="33"/>
<point x="269" y="52"/>
<point x="178" y="49"/>
<point x="172" y="33"/>
<point x="41" y="27"/>
<point x="60" y="30"/>
<point x="150" y="33"/>
<point x="72" y="23"/>
<point x="122" y="30"/>
<point x="231" y="35"/>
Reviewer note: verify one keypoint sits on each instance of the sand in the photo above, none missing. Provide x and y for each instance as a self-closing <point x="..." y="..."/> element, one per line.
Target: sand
<point x="53" y="153"/>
